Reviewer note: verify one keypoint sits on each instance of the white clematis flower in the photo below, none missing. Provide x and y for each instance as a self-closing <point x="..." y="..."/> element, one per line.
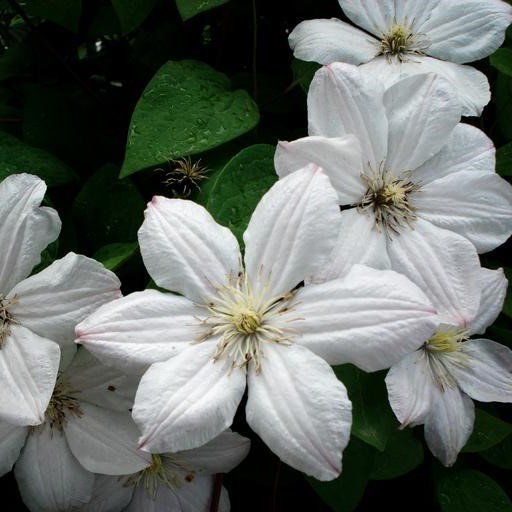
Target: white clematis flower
<point x="400" y="162"/>
<point x="407" y="37"/>
<point x="38" y="313"/>
<point x="254" y="324"/>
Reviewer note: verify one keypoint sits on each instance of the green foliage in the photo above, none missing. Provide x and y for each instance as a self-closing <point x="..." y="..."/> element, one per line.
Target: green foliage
<point x="487" y="431"/>
<point x="66" y="13"/>
<point x="500" y="454"/>
<point x="504" y="160"/>
<point x="303" y="72"/>
<point x="132" y="13"/>
<point x="189" y="8"/>
<point x="186" y="108"/>
<point x="114" y="255"/>
<point x="501" y="59"/>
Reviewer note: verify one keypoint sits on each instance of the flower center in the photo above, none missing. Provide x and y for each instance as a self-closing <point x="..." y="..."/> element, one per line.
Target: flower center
<point x="61" y="405"/>
<point x="387" y="198"/>
<point x="246" y="321"/>
<point x="448" y="339"/>
<point x="5" y="318"/>
<point x="400" y="41"/>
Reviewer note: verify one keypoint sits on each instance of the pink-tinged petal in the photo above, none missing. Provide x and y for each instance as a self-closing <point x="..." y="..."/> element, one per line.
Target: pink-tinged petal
<point x="331" y="40"/>
<point x="359" y="241"/>
<point x="467" y="31"/>
<point x="105" y="441"/>
<point x="371" y="318"/>
<point x="409" y="385"/>
<point x="109" y="494"/>
<point x="292" y="231"/>
<point x="49" y="477"/>
<point x="188" y="400"/>
<point x="26" y="228"/>
<point x="28" y="371"/>
<point x="342" y="101"/>
<point x="339" y="157"/>
<point x="12" y="439"/>
<point x="444" y="265"/>
<point x="476" y="205"/>
<point x="485" y="374"/>
<point x="220" y="455"/>
<point x="466" y="149"/>
<point x="494" y="289"/>
<point x="449" y="424"/>
<point x="141" y="329"/>
<point x="185" y="250"/>
<point x="300" y="410"/>
<point x="422" y="112"/>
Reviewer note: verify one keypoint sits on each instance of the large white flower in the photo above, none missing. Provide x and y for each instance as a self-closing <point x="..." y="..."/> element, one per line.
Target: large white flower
<point x="38" y="313"/>
<point x="401" y="163"/>
<point x="254" y="324"/>
<point x="411" y="37"/>
<point x="434" y="385"/>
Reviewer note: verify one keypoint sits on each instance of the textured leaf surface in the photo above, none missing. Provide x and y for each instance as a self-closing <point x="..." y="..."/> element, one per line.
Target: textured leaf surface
<point x="189" y="8"/>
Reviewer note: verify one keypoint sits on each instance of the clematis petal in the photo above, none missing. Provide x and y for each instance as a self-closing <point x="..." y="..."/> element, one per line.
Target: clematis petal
<point x="371" y="318"/>
<point x="422" y="112"/>
<point x="109" y="494"/>
<point x="444" y="265"/>
<point x="220" y="455"/>
<point x="164" y="500"/>
<point x="375" y="16"/>
<point x="339" y="157"/>
<point x="49" y="477"/>
<point x="105" y="441"/>
<point x="467" y="31"/>
<point x="476" y="205"/>
<point x="467" y="149"/>
<point x="300" y="410"/>
<point x="12" y="439"/>
<point x="449" y="424"/>
<point x="494" y="289"/>
<point x="141" y="329"/>
<point x="486" y="373"/>
<point x="342" y="100"/>
<point x="186" y="401"/>
<point x="409" y="385"/>
<point x="26" y="228"/>
<point x="331" y="40"/>
<point x="290" y="232"/>
<point x="185" y="250"/>
<point x="28" y="371"/>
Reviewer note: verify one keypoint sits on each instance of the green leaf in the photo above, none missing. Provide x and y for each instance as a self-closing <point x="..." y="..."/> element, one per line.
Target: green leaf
<point x="487" y="431"/>
<point x="236" y="189"/>
<point x="504" y="160"/>
<point x="189" y="8"/>
<point x="471" y="491"/>
<point x="17" y="157"/>
<point x="372" y="418"/>
<point x="303" y="72"/>
<point x="502" y="94"/>
<point x="114" y="255"/>
<point x="507" y="305"/>
<point x="403" y="453"/>
<point x="132" y="13"/>
<point x="501" y="59"/>
<point x="186" y="108"/>
<point x="500" y="454"/>
<point x="63" y="12"/>
<point x="344" y="493"/>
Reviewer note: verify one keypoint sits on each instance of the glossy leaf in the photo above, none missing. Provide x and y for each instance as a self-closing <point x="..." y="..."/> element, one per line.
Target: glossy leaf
<point x="500" y="454"/>
<point x="487" y="431"/>
<point x="132" y="13"/>
<point x="501" y="59"/>
<point x="114" y="255"/>
<point x="189" y="8"/>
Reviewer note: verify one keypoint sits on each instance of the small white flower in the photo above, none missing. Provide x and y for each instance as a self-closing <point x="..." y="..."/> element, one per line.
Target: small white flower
<point x="38" y="313"/>
<point x="254" y="324"/>
<point x="410" y="37"/>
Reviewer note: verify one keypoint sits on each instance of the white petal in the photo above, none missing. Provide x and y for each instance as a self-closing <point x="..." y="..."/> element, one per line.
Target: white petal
<point x="375" y="16"/>
<point x="494" y="289"/>
<point x="422" y="112"/>
<point x="105" y="441"/>
<point x="467" y="31"/>
<point x="188" y="400"/>
<point x="12" y="439"/>
<point x="26" y="228"/>
<point x="449" y="424"/>
<point x="291" y="232"/>
<point x="476" y="205"/>
<point x="359" y="241"/>
<point x="49" y="477"/>
<point x="339" y="157"/>
<point x="444" y="265"/>
<point x="467" y="149"/>
<point x="185" y="250"/>
<point x="409" y="385"/>
<point x="140" y="329"/>
<point x="371" y="318"/>
<point x="342" y="101"/>
<point x="300" y="410"/>
<point x="28" y="371"/>
<point x="326" y="41"/>
<point x="109" y="494"/>
<point x="486" y="374"/>
<point x="164" y="500"/>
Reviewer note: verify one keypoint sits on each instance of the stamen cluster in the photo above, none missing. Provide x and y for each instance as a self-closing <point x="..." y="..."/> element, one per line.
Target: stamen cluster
<point x="5" y="318"/>
<point x="61" y="405"/>
<point x="400" y="42"/>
